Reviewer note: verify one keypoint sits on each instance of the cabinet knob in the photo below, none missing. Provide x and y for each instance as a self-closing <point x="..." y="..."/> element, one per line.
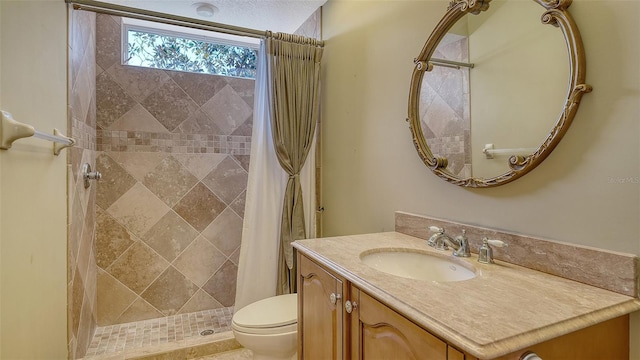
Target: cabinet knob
<point x="530" y="356"/>
<point x="334" y="298"/>
<point x="350" y="306"/>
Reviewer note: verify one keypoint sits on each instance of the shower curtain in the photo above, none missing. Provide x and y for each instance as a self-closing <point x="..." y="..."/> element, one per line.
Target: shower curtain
<point x="294" y="64"/>
<point x="258" y="265"/>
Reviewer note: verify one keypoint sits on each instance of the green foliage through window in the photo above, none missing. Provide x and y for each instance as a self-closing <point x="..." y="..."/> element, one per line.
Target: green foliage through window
<point x="178" y="53"/>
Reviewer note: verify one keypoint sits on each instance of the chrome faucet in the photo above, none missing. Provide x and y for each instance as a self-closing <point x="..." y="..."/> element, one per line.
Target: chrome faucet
<point x="441" y="241"/>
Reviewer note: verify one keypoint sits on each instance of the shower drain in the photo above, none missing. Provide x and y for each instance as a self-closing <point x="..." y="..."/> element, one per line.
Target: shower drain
<point x="207" y="332"/>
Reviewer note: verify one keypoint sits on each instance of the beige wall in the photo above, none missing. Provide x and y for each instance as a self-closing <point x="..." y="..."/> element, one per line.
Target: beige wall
<point x="580" y="194"/>
<point x="34" y="251"/>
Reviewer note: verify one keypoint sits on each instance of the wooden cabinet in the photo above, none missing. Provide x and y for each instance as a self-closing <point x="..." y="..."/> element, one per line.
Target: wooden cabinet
<point x="606" y="340"/>
<point x="378" y="332"/>
<point x="321" y="325"/>
<point x="337" y="320"/>
<point x="370" y="330"/>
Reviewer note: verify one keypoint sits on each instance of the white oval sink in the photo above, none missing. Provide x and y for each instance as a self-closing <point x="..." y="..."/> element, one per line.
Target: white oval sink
<point x="408" y="263"/>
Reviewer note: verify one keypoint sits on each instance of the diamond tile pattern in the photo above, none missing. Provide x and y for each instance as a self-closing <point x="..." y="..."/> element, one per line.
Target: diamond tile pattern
<point x="198" y="123"/>
<point x="139" y="310"/>
<point x="244" y="88"/>
<point x="112" y="101"/>
<point x="200" y="165"/>
<point x="225" y="232"/>
<point x="243" y="160"/>
<point x="138" y="82"/>
<point x="113" y="298"/>
<point x="138" y="267"/>
<point x="200" y="261"/>
<point x="173" y="149"/>
<point x="138" y="118"/>
<point x="199" y="88"/>
<point x="222" y="285"/>
<point x="170" y="292"/>
<point x="170" y="181"/>
<point x="137" y="164"/>
<point x="108" y="41"/>
<point x="114" y="184"/>
<point x="227" y="180"/>
<point x="112" y="240"/>
<point x="227" y="109"/>
<point x="138" y="209"/>
<point x="238" y="204"/>
<point x="199" y="207"/>
<point x="170" y="236"/>
<point x="170" y="105"/>
<point x="201" y="300"/>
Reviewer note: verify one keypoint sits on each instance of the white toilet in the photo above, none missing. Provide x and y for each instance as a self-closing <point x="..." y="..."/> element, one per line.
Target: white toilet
<point x="269" y="327"/>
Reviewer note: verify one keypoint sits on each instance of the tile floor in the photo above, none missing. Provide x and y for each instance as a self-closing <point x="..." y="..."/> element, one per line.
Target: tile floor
<point x="121" y="338"/>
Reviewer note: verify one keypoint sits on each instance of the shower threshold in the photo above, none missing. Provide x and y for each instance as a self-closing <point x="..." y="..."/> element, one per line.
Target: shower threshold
<point x="184" y="336"/>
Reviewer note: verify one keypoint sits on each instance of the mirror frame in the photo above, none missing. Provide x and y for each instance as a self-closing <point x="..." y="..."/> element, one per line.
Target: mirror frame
<point x="556" y="14"/>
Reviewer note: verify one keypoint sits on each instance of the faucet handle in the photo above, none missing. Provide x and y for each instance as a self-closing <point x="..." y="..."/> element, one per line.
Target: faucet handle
<point x="485" y="253"/>
<point x="496" y="243"/>
<point x="436" y="229"/>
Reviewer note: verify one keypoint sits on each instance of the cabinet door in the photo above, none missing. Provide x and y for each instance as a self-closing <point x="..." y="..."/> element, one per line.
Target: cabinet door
<point x="320" y="315"/>
<point x="454" y="354"/>
<point x="378" y="332"/>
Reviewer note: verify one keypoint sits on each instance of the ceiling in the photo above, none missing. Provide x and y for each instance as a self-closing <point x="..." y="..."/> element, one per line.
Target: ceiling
<point x="275" y="15"/>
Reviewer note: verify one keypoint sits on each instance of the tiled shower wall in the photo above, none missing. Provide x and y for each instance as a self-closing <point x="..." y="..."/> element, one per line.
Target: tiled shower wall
<point x="173" y="149"/>
<point x="444" y="107"/>
<point x="82" y="308"/>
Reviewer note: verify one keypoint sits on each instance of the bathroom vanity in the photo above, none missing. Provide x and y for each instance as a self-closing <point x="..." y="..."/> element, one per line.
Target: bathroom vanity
<point x="551" y="299"/>
<point x="350" y="310"/>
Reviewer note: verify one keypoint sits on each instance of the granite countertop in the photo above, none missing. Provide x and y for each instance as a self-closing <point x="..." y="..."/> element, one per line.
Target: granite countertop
<point x="505" y="308"/>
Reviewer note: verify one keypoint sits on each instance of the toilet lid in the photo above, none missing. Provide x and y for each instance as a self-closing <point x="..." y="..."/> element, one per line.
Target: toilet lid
<point x="270" y="312"/>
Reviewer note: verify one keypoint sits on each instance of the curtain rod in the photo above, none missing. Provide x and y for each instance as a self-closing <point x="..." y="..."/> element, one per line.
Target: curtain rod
<point x="140" y="14"/>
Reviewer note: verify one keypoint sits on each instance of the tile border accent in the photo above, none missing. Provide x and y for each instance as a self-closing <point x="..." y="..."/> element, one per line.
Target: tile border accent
<point x="141" y="141"/>
<point x="614" y="271"/>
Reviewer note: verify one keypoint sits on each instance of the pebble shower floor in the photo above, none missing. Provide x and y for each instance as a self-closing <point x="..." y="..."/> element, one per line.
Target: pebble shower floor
<point x="122" y="337"/>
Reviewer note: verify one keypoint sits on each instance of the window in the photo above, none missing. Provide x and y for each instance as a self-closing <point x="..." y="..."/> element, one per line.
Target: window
<point x="170" y="50"/>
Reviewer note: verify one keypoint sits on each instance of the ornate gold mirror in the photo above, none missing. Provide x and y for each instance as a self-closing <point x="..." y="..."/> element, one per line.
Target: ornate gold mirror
<point x="489" y="98"/>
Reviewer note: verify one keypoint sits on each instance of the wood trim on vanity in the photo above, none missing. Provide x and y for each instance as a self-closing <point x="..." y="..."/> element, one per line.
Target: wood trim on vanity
<point x="369" y="329"/>
<point x="570" y="261"/>
<point x="606" y="340"/>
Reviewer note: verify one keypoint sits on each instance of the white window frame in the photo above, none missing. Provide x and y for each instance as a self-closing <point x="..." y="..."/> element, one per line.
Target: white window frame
<point x="180" y="32"/>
